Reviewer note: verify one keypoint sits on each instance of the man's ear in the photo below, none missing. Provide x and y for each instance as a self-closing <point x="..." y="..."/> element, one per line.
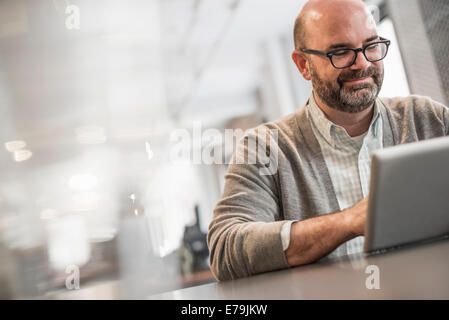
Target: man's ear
<point x="301" y="62"/>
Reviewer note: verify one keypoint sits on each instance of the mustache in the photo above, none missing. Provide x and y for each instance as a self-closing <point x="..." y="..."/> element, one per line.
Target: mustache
<point x="357" y="74"/>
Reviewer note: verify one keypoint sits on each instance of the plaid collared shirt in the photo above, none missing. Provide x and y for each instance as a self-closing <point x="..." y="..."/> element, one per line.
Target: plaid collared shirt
<point x="348" y="160"/>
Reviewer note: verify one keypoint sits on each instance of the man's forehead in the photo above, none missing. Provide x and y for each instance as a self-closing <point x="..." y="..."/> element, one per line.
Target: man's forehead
<point x="328" y="28"/>
<point x="335" y="37"/>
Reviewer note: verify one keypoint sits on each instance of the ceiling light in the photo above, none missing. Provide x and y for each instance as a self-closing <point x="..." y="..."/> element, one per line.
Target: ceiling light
<point x="15" y="145"/>
<point x="22" y="155"/>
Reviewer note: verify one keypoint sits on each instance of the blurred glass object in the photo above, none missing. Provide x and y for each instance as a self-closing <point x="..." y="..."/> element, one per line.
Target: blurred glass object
<point x="67" y="242"/>
<point x="141" y="267"/>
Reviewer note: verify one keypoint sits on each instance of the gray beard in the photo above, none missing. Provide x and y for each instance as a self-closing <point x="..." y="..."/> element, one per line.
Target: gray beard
<point x="348" y="99"/>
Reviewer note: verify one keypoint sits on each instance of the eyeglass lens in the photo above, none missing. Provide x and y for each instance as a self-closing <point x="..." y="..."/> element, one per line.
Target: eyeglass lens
<point x="346" y="57"/>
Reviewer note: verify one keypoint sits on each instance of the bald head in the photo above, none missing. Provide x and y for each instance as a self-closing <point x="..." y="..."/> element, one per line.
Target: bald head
<point x="320" y="18"/>
<point x="336" y="25"/>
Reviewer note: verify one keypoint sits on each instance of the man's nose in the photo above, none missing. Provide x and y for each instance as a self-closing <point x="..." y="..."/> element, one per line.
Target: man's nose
<point x="360" y="62"/>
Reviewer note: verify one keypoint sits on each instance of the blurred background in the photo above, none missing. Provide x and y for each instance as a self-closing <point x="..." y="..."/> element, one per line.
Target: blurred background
<point x="109" y="109"/>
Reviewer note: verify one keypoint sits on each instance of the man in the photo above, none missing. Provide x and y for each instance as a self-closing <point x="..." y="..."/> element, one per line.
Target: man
<point x="314" y="206"/>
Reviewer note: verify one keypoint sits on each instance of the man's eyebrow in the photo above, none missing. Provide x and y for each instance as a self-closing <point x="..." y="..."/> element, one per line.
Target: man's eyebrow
<point x="348" y="45"/>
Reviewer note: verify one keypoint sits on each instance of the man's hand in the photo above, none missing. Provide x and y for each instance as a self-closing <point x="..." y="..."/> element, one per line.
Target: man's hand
<point x="312" y="239"/>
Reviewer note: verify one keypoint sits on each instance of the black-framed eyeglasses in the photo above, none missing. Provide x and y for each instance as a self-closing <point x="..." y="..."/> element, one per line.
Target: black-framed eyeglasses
<point x="346" y="57"/>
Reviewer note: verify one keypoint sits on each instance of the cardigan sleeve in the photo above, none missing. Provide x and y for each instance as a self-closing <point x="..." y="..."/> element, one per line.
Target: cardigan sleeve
<point x="244" y="235"/>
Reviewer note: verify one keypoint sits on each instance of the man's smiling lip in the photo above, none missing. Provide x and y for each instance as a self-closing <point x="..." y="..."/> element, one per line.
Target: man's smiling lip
<point x="358" y="81"/>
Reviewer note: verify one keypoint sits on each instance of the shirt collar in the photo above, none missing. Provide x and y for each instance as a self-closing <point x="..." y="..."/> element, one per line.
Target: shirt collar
<point x="331" y="131"/>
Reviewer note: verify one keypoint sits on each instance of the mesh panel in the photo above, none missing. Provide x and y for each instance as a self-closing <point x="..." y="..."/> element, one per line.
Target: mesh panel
<point x="435" y="14"/>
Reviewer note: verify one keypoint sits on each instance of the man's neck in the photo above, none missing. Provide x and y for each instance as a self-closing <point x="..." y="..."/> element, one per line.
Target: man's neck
<point x="354" y="123"/>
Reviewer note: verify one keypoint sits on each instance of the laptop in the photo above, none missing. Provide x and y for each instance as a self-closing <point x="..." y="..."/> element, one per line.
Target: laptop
<point x="409" y="195"/>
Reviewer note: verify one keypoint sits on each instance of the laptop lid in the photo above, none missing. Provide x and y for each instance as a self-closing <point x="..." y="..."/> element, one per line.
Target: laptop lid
<point x="409" y="194"/>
